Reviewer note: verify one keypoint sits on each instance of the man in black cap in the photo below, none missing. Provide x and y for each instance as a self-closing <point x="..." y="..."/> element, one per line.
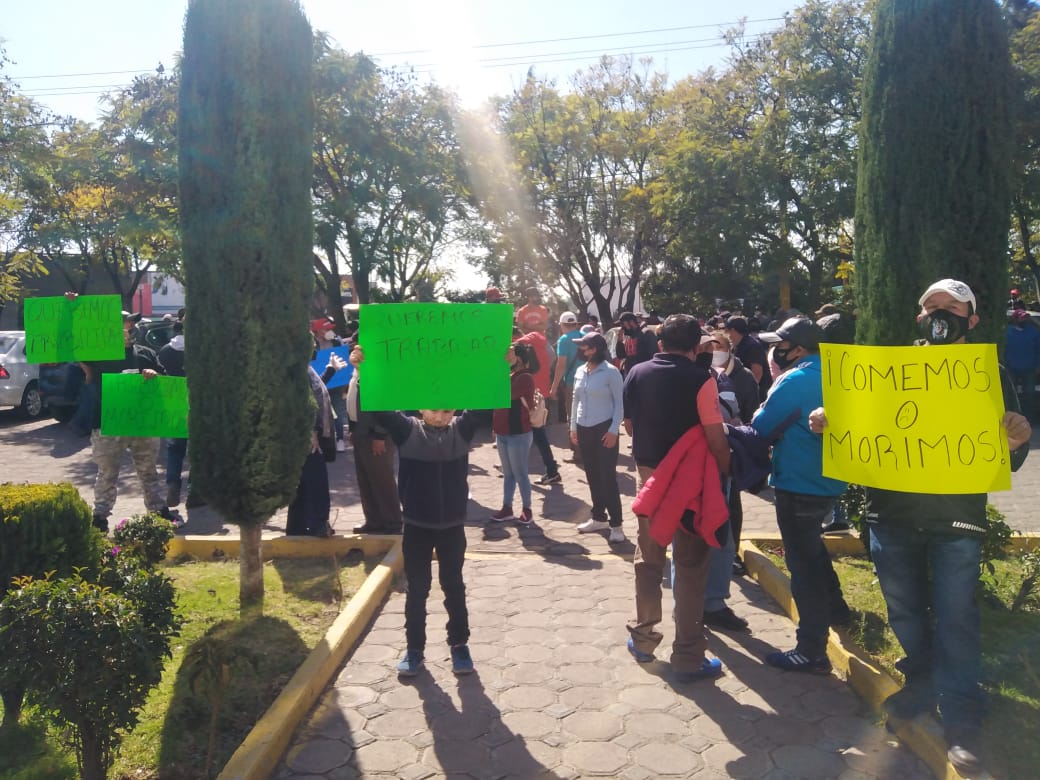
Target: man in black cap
<point x="804" y="497"/>
<point x="636" y="345"/>
<point x="750" y="351"/>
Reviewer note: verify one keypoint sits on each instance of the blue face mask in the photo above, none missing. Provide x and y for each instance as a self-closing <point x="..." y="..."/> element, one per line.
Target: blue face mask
<point x="942" y="327"/>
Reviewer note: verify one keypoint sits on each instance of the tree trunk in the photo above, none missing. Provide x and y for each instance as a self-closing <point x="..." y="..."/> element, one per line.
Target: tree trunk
<point x="250" y="571"/>
<point x="12" y="698"/>
<point x="92" y="764"/>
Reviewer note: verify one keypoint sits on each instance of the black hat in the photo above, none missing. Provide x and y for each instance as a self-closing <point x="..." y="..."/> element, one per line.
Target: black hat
<point x="594" y="340"/>
<point x="739" y="324"/>
<point x="798" y="331"/>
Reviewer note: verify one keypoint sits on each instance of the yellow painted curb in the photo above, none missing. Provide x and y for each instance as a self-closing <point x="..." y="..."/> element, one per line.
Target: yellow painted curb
<point x="211" y="547"/>
<point x="263" y="747"/>
<point x="872" y="683"/>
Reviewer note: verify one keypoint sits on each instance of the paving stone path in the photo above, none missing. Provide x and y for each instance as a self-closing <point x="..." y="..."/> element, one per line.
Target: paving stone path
<point x="557" y="695"/>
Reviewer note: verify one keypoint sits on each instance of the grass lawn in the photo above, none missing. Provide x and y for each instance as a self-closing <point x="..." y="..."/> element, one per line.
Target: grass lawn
<point x="1010" y="657"/>
<point x="302" y="599"/>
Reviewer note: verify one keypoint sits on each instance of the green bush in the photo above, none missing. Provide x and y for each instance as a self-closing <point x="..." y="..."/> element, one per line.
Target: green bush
<point x="89" y="653"/>
<point x="43" y="529"/>
<point x="144" y="537"/>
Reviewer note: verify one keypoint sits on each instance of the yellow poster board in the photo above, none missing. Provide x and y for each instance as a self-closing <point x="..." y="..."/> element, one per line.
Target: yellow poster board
<point x="915" y="419"/>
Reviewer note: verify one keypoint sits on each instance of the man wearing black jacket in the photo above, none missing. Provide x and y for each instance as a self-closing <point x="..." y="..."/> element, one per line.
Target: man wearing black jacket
<point x="927" y="548"/>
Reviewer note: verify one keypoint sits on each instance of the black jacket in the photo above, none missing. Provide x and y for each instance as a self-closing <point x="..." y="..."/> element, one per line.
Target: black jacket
<point x="434" y="464"/>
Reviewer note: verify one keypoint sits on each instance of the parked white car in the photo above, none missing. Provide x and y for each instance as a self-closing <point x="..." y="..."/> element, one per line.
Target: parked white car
<point x="19" y="381"/>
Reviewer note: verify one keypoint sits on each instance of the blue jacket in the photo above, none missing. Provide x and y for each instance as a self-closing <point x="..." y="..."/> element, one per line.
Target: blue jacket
<point x="1022" y="353"/>
<point x="798" y="455"/>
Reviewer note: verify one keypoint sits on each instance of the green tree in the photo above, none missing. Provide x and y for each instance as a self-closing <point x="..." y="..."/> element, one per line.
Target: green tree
<point x="579" y="214"/>
<point x="23" y="143"/>
<point x="933" y="183"/>
<point x="389" y="177"/>
<point x="245" y="132"/>
<point x="1025" y="207"/>
<point x="760" y="182"/>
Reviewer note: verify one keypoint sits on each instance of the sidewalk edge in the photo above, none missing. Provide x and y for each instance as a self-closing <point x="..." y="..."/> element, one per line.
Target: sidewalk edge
<point x="264" y="746"/>
<point x="869" y="681"/>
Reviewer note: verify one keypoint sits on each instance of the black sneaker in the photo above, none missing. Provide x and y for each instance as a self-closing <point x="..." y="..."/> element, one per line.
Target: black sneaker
<point x="101" y="523"/>
<point x="739" y="569"/>
<point x="909" y="702"/>
<point x="549" y="479"/>
<point x="726" y="619"/>
<point x="796" y="661"/>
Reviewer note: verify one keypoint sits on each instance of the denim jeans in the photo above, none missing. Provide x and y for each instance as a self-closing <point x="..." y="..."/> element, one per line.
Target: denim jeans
<point x="339" y="406"/>
<point x="417" y="547"/>
<point x="514" y="450"/>
<point x="541" y="441"/>
<point x="176" y="449"/>
<point x="814" y="585"/>
<point x="925" y="576"/>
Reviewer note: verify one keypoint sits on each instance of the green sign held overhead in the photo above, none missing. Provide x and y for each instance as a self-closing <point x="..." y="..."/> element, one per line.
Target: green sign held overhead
<point x="57" y="329"/>
<point x="435" y="355"/>
<point x="134" y="406"/>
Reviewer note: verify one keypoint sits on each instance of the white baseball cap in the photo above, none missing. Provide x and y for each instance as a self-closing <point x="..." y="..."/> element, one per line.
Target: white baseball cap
<point x="959" y="291"/>
<point x="568" y="318"/>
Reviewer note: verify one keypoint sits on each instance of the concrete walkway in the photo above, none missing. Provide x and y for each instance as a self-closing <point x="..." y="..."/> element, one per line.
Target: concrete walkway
<point x="556" y="694"/>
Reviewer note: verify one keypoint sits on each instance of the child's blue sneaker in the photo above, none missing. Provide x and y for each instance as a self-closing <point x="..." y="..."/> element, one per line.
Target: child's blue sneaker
<point x="639" y="655"/>
<point x="710" y="667"/>
<point x="411" y="664"/>
<point x="461" y="660"/>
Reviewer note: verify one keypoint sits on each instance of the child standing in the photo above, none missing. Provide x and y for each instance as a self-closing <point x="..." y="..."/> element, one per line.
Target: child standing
<point x="434" y="462"/>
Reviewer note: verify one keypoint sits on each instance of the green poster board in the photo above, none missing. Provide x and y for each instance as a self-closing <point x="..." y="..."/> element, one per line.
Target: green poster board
<point x="134" y="406"/>
<point x="435" y="355"/>
<point x="87" y="328"/>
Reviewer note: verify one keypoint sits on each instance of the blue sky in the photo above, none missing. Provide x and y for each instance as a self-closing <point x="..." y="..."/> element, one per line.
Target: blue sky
<point x="477" y="47"/>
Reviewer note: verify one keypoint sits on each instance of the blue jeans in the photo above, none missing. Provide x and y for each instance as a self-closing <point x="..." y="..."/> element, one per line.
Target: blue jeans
<point x="339" y="406"/>
<point x="814" y="585"/>
<point x="514" y="450"/>
<point x="948" y="647"/>
<point x="176" y="449"/>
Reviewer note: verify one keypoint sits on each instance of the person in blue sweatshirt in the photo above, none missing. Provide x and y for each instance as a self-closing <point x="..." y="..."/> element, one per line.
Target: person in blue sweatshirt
<point x="804" y="497"/>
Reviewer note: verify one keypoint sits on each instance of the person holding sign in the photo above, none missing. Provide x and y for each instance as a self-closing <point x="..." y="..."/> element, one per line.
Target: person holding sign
<point x="434" y="466"/>
<point x="927" y="548"/>
<point x="804" y="497"/>
<point x="108" y="451"/>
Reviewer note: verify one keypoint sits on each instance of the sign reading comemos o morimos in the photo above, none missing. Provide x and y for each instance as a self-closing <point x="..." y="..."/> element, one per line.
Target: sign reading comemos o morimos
<point x="915" y="419"/>
<point x="434" y="355"/>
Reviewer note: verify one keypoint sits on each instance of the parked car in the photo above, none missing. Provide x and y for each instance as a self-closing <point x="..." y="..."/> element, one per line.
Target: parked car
<point x="61" y="383"/>
<point x="19" y="380"/>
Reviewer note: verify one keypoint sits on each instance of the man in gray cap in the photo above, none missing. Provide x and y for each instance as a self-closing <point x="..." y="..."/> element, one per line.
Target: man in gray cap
<point x="804" y="496"/>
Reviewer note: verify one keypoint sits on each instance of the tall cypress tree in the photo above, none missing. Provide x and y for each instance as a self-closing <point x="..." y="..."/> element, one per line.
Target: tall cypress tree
<point x="245" y="130"/>
<point x="933" y="187"/>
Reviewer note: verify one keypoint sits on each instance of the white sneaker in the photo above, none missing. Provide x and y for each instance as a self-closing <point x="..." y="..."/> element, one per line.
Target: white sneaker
<point x="341" y="446"/>
<point x="617" y="535"/>
<point x="593" y="525"/>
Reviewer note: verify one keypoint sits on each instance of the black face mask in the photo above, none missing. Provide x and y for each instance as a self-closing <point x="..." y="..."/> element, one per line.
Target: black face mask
<point x="942" y="327"/>
<point x="782" y="357"/>
<point x="703" y="360"/>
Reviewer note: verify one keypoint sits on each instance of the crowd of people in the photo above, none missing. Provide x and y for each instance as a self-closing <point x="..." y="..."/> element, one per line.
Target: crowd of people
<point x="700" y="399"/>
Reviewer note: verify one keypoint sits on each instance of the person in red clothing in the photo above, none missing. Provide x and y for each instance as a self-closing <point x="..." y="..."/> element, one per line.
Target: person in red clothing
<point x="542" y="381"/>
<point x="533" y="316"/>
<point x="512" y="428"/>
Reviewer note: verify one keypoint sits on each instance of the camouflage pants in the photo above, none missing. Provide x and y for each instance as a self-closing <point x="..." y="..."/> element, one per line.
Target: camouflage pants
<point x="108" y="452"/>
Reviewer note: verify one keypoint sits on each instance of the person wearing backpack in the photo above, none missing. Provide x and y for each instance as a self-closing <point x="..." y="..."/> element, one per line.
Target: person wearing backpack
<point x="512" y="428"/>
